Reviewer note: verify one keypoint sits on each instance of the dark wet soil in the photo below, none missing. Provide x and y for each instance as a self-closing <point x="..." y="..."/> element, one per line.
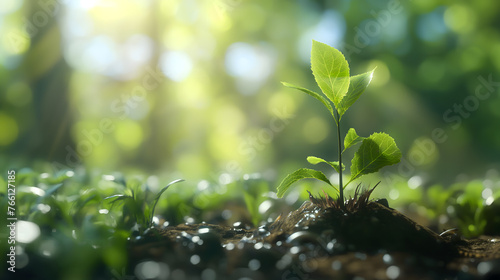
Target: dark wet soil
<point x="314" y="242"/>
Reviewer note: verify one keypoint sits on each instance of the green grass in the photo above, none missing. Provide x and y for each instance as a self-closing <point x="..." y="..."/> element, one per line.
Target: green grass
<point x="87" y="218"/>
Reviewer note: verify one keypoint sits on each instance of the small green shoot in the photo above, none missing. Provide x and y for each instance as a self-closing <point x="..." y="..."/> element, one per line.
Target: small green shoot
<point x="331" y="72"/>
<point x="135" y="209"/>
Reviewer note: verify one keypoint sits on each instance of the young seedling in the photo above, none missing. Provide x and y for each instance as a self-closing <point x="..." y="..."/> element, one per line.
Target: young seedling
<point x="331" y="72"/>
<point x="137" y="210"/>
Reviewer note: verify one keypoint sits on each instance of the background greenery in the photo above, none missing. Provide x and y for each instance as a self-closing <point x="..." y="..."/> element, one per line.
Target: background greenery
<point x="161" y="90"/>
<point x="192" y="87"/>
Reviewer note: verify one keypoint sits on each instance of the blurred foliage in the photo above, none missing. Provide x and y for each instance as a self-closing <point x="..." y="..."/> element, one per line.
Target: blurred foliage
<point x="193" y="86"/>
<point x="65" y="217"/>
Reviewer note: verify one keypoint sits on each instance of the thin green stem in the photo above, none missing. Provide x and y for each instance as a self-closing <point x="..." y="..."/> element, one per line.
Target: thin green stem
<point x="341" y="187"/>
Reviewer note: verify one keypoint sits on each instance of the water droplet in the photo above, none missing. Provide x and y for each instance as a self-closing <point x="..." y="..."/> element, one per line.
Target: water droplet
<point x="151" y="270"/>
<point x="44" y="208"/>
<point x="394" y="194"/>
<point x="254" y="264"/>
<point x="195" y="239"/>
<point x="229" y="246"/>
<point x="262" y="232"/>
<point x="336" y="265"/>
<point x="484" y="267"/>
<point x="264" y="206"/>
<point x="189" y="220"/>
<point x="387" y="259"/>
<point x="203" y="185"/>
<point x="195" y="259"/>
<point x="108" y="177"/>
<point x="331" y="245"/>
<point x="203" y="230"/>
<point x="392" y="272"/>
<point x="415" y="182"/>
<point x="226" y="214"/>
<point x="360" y="256"/>
<point x="26" y="231"/>
<point x="302" y="237"/>
<point x="489" y="200"/>
<point x="294" y="250"/>
<point x="487" y="192"/>
<point x="208" y="274"/>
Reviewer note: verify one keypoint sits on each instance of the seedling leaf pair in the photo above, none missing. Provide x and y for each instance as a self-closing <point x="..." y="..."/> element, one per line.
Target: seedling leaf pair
<point x="332" y="74"/>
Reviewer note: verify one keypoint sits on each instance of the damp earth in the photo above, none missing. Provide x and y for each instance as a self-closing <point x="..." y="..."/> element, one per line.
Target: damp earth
<point x="317" y="241"/>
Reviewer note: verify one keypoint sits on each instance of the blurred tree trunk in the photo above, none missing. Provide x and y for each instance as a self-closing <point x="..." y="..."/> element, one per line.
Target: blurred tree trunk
<point x="155" y="150"/>
<point x="48" y="75"/>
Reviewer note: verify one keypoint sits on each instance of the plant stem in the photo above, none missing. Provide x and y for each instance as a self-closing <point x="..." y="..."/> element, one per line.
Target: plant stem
<point x="341" y="186"/>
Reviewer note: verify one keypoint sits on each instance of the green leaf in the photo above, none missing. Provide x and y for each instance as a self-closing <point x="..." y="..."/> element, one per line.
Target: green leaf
<point x="315" y="95"/>
<point x="357" y="86"/>
<point x="157" y="197"/>
<point x="300" y="174"/>
<point x="334" y="164"/>
<point x="48" y="193"/>
<point x="117" y="197"/>
<point x="331" y="71"/>
<point x="253" y="207"/>
<point x="351" y="139"/>
<point x="375" y="152"/>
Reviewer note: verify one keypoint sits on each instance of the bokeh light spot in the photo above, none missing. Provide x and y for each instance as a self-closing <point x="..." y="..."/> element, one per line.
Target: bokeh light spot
<point x="152" y="270"/>
<point x="315" y="130"/>
<point x="128" y="134"/>
<point x="394" y="194"/>
<point x="250" y="64"/>
<point x="27" y="231"/>
<point x="15" y="41"/>
<point x="176" y="65"/>
<point x="10" y="129"/>
<point x="459" y="19"/>
<point x="431" y="26"/>
<point x="10" y="6"/>
<point x="241" y="59"/>
<point x="283" y="100"/>
<point x="392" y="272"/>
<point x="415" y="182"/>
<point x="329" y="30"/>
